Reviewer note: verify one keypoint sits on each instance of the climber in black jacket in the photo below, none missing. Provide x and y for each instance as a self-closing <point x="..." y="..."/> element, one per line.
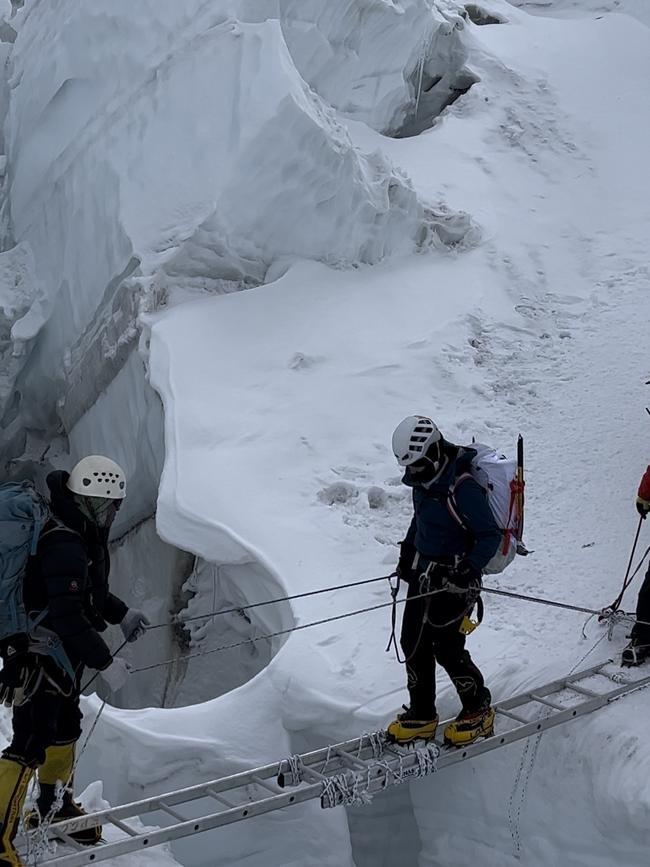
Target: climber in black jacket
<point x="66" y="590"/>
<point x="449" y="542"/>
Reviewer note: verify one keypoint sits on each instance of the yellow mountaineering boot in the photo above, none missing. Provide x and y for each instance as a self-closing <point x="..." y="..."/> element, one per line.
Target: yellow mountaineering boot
<point x="14" y="780"/>
<point x="407" y="728"/>
<point x="469" y="726"/>
<point x="57" y="770"/>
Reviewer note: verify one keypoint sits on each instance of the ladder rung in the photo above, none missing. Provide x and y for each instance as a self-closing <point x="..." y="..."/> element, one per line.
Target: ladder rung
<point x="217" y="796"/>
<point x="351" y="761"/>
<point x="547" y="701"/>
<point x="583" y="690"/>
<point x="511" y="715"/>
<point x="266" y="784"/>
<point x="313" y="776"/>
<point x="70" y="841"/>
<point x="174" y="813"/>
<point x="124" y="827"/>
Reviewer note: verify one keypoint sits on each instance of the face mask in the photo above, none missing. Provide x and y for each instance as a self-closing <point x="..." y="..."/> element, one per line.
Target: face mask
<point x="99" y="510"/>
<point x="426" y="470"/>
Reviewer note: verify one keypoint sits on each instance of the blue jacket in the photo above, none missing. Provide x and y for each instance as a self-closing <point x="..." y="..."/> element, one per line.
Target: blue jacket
<point x="436" y="534"/>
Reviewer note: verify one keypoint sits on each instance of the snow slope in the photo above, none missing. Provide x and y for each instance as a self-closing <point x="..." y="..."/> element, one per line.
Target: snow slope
<point x="524" y="333"/>
<point x="279" y="401"/>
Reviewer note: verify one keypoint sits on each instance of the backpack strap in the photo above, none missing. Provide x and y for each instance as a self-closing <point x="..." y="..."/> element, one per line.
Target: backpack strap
<point x="58" y="525"/>
<point x="456" y="514"/>
<point x="452" y="505"/>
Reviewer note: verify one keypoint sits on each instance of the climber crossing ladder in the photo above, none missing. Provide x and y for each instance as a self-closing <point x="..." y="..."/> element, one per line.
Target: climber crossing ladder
<point x="345" y="773"/>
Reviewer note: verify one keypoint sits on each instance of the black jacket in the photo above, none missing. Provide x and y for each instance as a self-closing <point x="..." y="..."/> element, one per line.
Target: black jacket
<point x="69" y="576"/>
<point x="434" y="531"/>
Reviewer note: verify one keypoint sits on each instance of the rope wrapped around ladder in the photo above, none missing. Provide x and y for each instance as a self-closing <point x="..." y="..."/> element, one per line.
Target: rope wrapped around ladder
<point x="352" y="789"/>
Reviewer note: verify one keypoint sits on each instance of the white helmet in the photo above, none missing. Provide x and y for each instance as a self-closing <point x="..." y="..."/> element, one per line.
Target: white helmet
<point x="97" y="476"/>
<point x="412" y="438"/>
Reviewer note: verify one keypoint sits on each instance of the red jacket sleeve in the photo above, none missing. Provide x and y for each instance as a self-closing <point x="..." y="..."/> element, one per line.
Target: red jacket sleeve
<point x="644" y="487"/>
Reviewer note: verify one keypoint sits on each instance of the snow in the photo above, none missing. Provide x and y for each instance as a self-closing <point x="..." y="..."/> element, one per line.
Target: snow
<point x="490" y="271"/>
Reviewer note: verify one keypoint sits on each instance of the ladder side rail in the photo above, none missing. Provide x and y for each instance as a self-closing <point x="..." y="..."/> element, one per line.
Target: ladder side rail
<point x="356" y="746"/>
<point x="497" y="740"/>
<point x="553" y="686"/>
<point x="171" y="799"/>
<point x="383" y="780"/>
<point x="147" y="840"/>
<point x="395" y="767"/>
<point x="338" y="761"/>
<point x="376" y="780"/>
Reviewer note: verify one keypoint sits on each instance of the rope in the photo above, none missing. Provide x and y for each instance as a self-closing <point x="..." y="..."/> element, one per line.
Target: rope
<point x="529" y="757"/>
<point x="344" y="790"/>
<point x="527" y="763"/>
<point x="98" y="673"/>
<point x="295" y="768"/>
<point x="376" y="742"/>
<point x="287" y="631"/>
<point x="238" y="608"/>
<point x="351" y="787"/>
<point x="267" y="636"/>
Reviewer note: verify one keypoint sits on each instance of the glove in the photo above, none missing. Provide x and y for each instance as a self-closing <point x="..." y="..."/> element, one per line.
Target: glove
<point x="464" y="578"/>
<point x="17" y="668"/>
<point x="116" y="673"/>
<point x="134" y="624"/>
<point x="407" y="555"/>
<point x="642" y="506"/>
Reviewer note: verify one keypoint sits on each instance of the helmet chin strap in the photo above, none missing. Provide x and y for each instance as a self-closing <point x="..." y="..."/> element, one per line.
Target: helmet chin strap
<point x="438" y="469"/>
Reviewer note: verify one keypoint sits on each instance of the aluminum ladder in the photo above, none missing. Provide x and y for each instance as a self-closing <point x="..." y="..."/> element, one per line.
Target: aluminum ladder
<point x="344" y="773"/>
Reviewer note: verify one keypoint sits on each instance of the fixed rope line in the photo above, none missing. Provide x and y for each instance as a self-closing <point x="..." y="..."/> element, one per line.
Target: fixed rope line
<point x="237" y="608"/>
<point x="538" y="599"/>
<point x="506" y="593"/>
<point x="267" y="636"/>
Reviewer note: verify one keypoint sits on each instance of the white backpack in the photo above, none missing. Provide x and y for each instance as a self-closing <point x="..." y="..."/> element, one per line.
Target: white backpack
<point x="497" y="475"/>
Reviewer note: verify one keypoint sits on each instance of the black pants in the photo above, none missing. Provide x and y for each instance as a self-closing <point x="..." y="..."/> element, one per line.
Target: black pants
<point x="50" y="717"/>
<point x="424" y="643"/>
<point x="641" y="633"/>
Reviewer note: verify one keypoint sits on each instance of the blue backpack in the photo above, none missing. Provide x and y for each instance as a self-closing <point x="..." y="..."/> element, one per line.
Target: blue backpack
<point x="23" y="514"/>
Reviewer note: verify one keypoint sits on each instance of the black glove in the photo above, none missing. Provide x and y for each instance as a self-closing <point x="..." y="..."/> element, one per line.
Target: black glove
<point x="464" y="578"/>
<point x="407" y="555"/>
<point x="17" y="667"/>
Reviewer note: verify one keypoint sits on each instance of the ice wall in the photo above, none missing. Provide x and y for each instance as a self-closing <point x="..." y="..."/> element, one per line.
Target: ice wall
<point x="180" y="150"/>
